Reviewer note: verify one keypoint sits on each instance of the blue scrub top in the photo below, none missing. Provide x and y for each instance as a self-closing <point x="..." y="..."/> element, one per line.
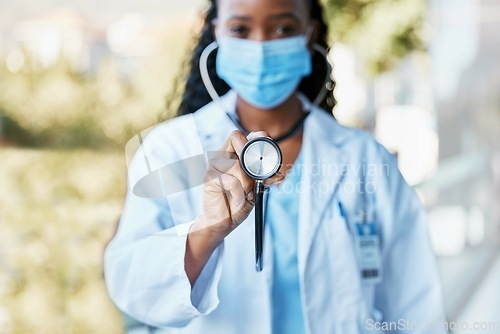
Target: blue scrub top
<point x="282" y="218"/>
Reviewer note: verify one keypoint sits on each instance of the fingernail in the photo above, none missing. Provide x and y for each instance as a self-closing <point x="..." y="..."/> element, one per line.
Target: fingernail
<point x="250" y="196"/>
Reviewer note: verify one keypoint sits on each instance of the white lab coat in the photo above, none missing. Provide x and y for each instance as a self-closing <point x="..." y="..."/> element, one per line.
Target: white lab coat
<point x="144" y="263"/>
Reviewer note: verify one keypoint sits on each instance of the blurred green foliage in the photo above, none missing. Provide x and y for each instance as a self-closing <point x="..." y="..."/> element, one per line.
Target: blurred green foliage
<point x="381" y="31"/>
<point x="58" y="107"/>
<point x="54" y="107"/>
<point x="63" y="180"/>
<point x="58" y="209"/>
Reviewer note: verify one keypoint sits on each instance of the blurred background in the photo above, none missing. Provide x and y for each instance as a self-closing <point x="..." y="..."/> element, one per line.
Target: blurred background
<point x="78" y="79"/>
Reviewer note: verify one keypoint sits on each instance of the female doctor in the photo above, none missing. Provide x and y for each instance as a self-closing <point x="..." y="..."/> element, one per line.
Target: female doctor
<point x="346" y="246"/>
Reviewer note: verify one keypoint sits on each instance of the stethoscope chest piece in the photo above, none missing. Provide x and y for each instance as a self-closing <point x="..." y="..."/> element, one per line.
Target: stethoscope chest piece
<point x="260" y="159"/>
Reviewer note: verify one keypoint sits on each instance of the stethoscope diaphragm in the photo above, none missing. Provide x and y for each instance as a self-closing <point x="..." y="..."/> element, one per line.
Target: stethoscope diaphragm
<point x="261" y="158"/>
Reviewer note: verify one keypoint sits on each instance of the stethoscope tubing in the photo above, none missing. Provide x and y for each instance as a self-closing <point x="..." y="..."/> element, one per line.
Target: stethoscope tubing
<point x="259" y="224"/>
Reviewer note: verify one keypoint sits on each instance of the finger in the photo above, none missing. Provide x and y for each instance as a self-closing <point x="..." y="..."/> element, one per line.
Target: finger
<point x="246" y="181"/>
<point x="233" y="168"/>
<point x="258" y="134"/>
<point x="275" y="179"/>
<point x="223" y="164"/>
<point x="220" y="154"/>
<point x="235" y="142"/>
<point x="212" y="180"/>
<point x="233" y="185"/>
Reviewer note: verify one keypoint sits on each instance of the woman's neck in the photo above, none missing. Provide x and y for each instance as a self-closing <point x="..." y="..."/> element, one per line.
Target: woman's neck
<point x="274" y="121"/>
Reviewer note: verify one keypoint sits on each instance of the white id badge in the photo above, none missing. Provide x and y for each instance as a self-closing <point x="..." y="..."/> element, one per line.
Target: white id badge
<point x="368" y="252"/>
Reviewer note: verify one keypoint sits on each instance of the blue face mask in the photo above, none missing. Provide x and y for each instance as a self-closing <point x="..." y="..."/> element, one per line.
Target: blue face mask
<point x="264" y="74"/>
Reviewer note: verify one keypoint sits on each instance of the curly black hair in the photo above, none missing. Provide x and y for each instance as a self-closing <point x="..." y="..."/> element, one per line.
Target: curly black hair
<point x="195" y="95"/>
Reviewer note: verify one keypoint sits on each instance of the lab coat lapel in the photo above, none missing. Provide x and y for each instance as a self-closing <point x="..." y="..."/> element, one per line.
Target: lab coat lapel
<point x="212" y="123"/>
<point x="325" y="164"/>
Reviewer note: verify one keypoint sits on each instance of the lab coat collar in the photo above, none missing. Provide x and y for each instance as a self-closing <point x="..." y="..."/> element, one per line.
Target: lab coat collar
<point x="331" y="132"/>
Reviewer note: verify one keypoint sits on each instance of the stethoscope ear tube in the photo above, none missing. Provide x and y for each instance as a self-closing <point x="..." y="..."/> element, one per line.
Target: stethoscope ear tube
<point x="259" y="224"/>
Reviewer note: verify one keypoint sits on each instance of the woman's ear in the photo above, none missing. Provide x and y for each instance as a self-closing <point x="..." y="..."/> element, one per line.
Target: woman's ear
<point x="315" y="32"/>
<point x="214" y="28"/>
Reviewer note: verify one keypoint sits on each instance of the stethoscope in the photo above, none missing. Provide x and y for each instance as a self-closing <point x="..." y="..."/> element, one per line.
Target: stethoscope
<point x="261" y="157"/>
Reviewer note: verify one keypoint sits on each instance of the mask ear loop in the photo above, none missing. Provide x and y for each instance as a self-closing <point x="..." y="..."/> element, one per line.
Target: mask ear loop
<point x="308" y="34"/>
<point x="324" y="89"/>
<point x="318" y="48"/>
